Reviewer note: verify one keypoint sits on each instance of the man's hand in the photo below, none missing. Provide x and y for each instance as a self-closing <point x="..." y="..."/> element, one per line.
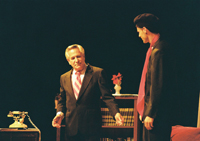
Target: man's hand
<point x="119" y="119"/>
<point x="56" y="122"/>
<point x="148" y="123"/>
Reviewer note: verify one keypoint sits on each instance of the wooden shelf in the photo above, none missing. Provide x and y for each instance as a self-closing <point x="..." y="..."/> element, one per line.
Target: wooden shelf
<point x="111" y="126"/>
<point x="117" y="126"/>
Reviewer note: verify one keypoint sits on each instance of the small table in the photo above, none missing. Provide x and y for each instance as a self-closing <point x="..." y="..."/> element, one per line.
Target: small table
<point x="9" y="134"/>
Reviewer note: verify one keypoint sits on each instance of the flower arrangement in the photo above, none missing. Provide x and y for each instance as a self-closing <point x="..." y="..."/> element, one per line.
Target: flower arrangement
<point x="117" y="79"/>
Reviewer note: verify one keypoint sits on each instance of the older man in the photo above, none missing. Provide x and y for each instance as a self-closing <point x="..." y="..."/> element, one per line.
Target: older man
<point x="80" y="91"/>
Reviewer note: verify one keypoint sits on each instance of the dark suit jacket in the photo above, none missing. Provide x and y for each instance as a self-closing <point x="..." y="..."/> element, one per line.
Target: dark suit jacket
<point x="160" y="85"/>
<point x="84" y="114"/>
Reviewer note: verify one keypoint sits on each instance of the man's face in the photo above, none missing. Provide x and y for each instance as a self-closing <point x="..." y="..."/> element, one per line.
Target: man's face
<point x="142" y="34"/>
<point x="76" y="59"/>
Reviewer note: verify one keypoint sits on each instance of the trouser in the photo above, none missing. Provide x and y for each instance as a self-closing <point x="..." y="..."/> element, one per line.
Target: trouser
<point x="160" y="133"/>
<point x="81" y="137"/>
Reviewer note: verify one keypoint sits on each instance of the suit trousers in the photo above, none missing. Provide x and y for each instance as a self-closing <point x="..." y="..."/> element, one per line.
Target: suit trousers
<point x="157" y="134"/>
<point x="81" y="137"/>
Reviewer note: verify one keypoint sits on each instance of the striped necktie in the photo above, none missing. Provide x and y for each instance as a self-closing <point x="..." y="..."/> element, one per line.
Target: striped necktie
<point x="77" y="84"/>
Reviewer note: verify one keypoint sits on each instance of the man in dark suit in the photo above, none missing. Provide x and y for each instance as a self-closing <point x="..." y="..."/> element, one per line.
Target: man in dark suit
<point x="80" y="91"/>
<point x="157" y="82"/>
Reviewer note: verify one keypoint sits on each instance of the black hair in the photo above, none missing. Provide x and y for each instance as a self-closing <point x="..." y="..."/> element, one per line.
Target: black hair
<point x="148" y="20"/>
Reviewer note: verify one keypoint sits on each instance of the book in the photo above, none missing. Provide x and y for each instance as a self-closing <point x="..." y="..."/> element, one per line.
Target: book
<point x="127" y="113"/>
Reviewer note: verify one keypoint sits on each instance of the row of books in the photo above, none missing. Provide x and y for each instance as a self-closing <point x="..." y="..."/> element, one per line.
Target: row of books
<point x="127" y="113"/>
<point x="118" y="139"/>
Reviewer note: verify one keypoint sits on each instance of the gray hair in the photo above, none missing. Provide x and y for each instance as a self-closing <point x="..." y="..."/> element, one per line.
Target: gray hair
<point x="81" y="49"/>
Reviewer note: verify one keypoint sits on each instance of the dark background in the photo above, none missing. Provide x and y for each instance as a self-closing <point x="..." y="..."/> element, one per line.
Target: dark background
<point x="35" y="33"/>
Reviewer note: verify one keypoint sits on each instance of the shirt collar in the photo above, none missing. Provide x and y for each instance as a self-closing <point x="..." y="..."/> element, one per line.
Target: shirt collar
<point x="82" y="72"/>
<point x="155" y="39"/>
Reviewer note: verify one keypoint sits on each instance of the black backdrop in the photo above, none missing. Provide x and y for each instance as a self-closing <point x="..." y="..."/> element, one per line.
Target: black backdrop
<point x="35" y="33"/>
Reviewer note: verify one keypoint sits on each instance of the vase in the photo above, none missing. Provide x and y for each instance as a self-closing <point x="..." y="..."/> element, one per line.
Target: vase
<point x="117" y="89"/>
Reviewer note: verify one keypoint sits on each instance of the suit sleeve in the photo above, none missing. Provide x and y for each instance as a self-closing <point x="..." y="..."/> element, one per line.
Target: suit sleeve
<point x="106" y="94"/>
<point x="61" y="102"/>
<point x="156" y="88"/>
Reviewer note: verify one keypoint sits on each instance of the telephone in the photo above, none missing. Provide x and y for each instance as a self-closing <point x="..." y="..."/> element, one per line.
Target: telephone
<point x="18" y="119"/>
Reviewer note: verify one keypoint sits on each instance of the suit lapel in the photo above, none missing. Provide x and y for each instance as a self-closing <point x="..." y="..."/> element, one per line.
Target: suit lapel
<point x="86" y="80"/>
<point x="69" y="84"/>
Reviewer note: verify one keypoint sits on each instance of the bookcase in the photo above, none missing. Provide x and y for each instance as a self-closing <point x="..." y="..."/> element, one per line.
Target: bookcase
<point x="129" y="131"/>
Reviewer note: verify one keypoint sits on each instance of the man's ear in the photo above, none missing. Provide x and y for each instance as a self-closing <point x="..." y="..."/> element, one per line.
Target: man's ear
<point x="144" y="29"/>
<point x="68" y="61"/>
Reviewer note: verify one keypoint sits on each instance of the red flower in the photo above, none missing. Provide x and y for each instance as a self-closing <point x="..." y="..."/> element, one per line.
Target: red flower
<point x="117" y="79"/>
